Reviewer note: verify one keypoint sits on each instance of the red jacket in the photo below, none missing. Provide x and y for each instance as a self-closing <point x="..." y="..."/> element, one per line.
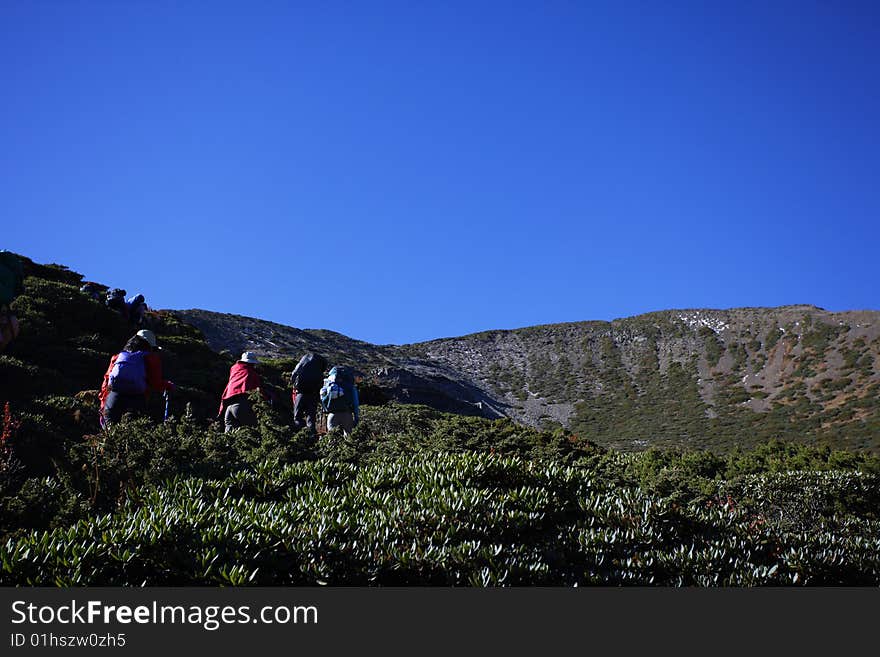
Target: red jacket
<point x="153" y="368"/>
<point x="243" y="377"/>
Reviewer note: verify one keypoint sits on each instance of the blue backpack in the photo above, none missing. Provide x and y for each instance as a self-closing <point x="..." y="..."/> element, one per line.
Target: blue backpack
<point x="336" y="394"/>
<point x="129" y="373"/>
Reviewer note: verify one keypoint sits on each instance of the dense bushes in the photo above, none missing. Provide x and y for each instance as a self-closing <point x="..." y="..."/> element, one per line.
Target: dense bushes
<point x="451" y="519"/>
<point x="415" y="496"/>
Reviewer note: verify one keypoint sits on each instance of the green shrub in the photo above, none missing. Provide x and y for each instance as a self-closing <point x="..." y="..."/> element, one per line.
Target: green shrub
<point x="463" y="519"/>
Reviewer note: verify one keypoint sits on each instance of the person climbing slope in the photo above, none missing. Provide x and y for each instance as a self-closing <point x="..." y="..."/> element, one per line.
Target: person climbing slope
<point x="137" y="306"/>
<point x="132" y="374"/>
<point x="235" y="407"/>
<point x="339" y="398"/>
<point x="115" y="300"/>
<point x="306" y="380"/>
<point x="92" y="290"/>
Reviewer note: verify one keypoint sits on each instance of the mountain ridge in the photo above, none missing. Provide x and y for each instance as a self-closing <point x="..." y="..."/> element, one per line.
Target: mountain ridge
<point x="715" y="379"/>
<point x="800" y="363"/>
<point x="79" y="504"/>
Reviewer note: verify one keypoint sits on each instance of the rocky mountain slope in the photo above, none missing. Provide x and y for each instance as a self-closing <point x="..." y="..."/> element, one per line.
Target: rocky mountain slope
<point x="389" y="371"/>
<point x="698" y="378"/>
<point x="681" y="378"/>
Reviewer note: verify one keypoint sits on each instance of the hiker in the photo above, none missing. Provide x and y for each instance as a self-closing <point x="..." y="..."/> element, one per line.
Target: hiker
<point x="306" y="381"/>
<point x="235" y="407"/>
<point x="339" y="398"/>
<point x="91" y="290"/>
<point x="116" y="301"/>
<point x="136" y="308"/>
<point x="132" y="374"/>
<point x="11" y="285"/>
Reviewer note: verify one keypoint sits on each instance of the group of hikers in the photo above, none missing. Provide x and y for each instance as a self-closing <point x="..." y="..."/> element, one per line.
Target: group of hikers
<point x="136" y="371"/>
<point x="12" y="284"/>
<point x="132" y="308"/>
<point x="337" y="393"/>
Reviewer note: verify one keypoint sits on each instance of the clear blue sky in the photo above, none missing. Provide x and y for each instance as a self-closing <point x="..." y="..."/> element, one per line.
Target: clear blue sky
<point x="400" y="171"/>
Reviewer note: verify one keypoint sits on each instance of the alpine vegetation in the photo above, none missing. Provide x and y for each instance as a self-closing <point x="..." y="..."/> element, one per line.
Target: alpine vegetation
<point x="660" y="473"/>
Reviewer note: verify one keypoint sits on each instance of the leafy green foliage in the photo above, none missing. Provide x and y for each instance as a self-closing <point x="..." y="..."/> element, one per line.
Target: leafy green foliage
<point x="461" y="519"/>
<point x="416" y="496"/>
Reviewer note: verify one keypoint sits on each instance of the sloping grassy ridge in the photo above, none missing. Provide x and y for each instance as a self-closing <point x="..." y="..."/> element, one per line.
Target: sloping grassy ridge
<point x="414" y="496"/>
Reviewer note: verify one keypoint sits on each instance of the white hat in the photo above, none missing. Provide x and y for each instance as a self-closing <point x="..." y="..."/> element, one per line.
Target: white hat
<point x="249" y="357"/>
<point x="149" y="336"/>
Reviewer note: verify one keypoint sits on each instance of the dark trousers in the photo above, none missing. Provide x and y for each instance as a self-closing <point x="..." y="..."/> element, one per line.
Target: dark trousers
<point x="305" y="409"/>
<point x="239" y="413"/>
<point x="117" y="404"/>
